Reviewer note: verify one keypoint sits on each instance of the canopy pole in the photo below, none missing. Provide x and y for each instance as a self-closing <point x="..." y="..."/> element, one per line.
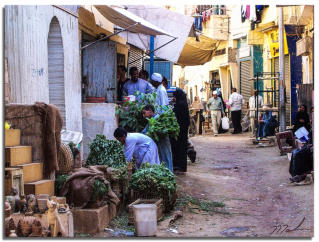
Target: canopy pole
<point x="151" y="55"/>
<point x="153" y="50"/>
<point x="106" y="37"/>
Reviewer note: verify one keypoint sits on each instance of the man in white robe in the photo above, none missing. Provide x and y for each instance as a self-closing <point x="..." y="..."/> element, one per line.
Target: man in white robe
<point x="161" y="93"/>
<point x="138" y="146"/>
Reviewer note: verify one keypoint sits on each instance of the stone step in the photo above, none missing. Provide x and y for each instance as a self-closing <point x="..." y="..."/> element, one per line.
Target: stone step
<point x="39" y="187"/>
<point x="18" y="155"/>
<point x="12" y="137"/>
<point x="32" y="172"/>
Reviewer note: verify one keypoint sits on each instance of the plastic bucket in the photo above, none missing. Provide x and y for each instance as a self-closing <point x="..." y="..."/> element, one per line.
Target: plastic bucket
<point x="145" y="219"/>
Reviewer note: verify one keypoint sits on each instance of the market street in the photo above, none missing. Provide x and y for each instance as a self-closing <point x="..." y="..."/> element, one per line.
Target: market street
<point x="252" y="183"/>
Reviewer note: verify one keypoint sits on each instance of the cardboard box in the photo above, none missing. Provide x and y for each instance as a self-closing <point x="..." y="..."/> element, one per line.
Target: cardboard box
<point x="89" y="221"/>
<point x="18" y="155"/>
<point x="39" y="187"/>
<point x="12" y="137"/>
<point x="32" y="172"/>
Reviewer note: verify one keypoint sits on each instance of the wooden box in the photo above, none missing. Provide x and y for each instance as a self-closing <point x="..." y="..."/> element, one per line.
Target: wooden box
<point x="286" y="142"/>
<point x="157" y="202"/>
<point x="18" y="155"/>
<point x="12" y="137"/>
<point x="39" y="187"/>
<point x="32" y="172"/>
<point x="14" y="179"/>
<point x="89" y="221"/>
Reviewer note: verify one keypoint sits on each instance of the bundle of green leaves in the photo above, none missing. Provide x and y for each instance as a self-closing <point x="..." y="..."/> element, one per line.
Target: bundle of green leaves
<point x="155" y="181"/>
<point x="100" y="191"/>
<point x="109" y="153"/>
<point x="165" y="125"/>
<point x="59" y="182"/>
<point x="130" y="113"/>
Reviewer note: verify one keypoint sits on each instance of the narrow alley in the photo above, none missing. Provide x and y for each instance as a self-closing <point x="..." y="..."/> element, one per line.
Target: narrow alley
<point x="254" y="186"/>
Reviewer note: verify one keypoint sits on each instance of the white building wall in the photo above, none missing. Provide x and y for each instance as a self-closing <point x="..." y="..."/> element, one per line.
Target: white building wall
<point x="26" y="51"/>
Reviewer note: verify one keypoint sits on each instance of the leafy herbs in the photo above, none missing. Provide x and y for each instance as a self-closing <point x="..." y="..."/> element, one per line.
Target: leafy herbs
<point x="131" y="117"/>
<point x="165" y="125"/>
<point x="106" y="152"/>
<point x="109" y="153"/>
<point x="59" y="182"/>
<point x="130" y="113"/>
<point x="155" y="181"/>
<point x="193" y="203"/>
<point x="100" y="191"/>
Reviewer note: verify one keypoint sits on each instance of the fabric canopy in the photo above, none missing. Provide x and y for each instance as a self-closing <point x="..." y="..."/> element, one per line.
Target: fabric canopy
<point x="197" y="52"/>
<point x="171" y="22"/>
<point x="124" y="19"/>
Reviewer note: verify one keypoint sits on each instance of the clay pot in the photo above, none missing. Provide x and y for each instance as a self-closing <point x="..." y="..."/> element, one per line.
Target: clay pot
<point x="95" y="99"/>
<point x="25" y="226"/>
<point x="36" y="229"/>
<point x="7" y="209"/>
<point x="12" y="234"/>
<point x="12" y="202"/>
<point x="9" y="225"/>
<point x="42" y="202"/>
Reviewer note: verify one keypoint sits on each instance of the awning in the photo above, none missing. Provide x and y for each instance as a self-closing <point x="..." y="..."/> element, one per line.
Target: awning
<point x="92" y="21"/>
<point x="198" y="52"/>
<point x="171" y="22"/>
<point x="125" y="19"/>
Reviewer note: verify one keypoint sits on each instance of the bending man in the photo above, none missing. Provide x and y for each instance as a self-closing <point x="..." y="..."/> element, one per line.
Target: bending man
<point x="138" y="146"/>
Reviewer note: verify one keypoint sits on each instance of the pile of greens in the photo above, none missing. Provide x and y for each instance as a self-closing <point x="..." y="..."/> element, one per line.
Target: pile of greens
<point x="165" y="125"/>
<point x="100" y="191"/>
<point x="59" y="182"/>
<point x="130" y="113"/>
<point x="131" y="117"/>
<point x="155" y="181"/>
<point x="109" y="153"/>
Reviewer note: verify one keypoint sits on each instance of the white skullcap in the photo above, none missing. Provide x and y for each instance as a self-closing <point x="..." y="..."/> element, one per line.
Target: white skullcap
<point x="214" y="92"/>
<point x="156" y="77"/>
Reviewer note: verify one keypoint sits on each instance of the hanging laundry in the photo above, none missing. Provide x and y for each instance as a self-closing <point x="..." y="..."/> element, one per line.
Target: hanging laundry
<point x="243" y="13"/>
<point x="258" y="13"/>
<point x="253" y="17"/>
<point x="247" y="11"/>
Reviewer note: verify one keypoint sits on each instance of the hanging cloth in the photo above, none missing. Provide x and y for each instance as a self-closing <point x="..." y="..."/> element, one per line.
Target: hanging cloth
<point x="247" y="11"/>
<point x="243" y="13"/>
<point x="258" y="13"/>
<point x="253" y="17"/>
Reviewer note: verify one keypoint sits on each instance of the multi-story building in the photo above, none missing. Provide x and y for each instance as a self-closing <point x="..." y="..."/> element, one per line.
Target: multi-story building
<point x="248" y="43"/>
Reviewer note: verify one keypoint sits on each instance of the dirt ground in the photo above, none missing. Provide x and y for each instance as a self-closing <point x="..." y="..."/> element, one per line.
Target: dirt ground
<point x="253" y="184"/>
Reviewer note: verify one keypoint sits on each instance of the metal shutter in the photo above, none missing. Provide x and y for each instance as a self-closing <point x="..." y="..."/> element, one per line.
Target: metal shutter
<point x="288" y="86"/>
<point x="56" y="68"/>
<point x="245" y="83"/>
<point x="136" y="56"/>
<point x="162" y="67"/>
<point x="99" y="66"/>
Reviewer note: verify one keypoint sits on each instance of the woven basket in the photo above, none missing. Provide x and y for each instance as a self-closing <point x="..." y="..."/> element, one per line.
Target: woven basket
<point x="65" y="159"/>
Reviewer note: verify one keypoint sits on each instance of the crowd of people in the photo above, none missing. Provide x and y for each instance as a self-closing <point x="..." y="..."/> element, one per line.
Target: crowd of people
<point x="173" y="153"/>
